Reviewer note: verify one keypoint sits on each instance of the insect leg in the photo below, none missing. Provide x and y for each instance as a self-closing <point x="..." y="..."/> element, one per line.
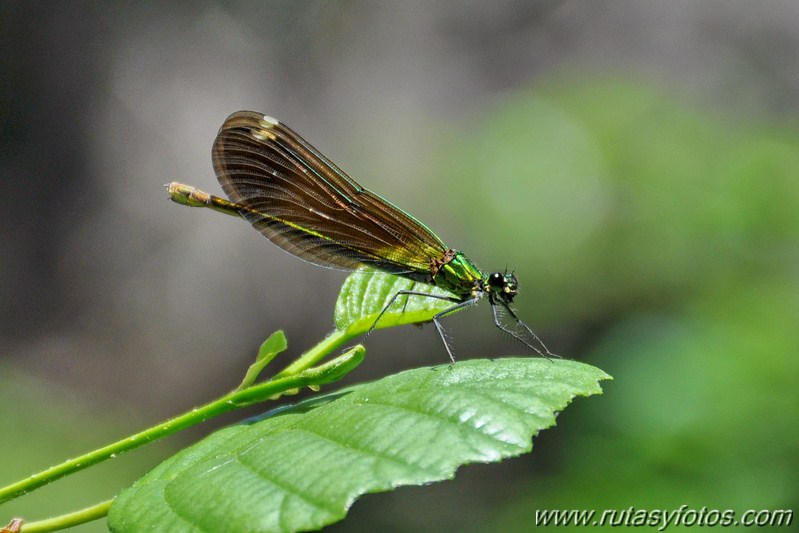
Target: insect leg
<point x="460" y="305"/>
<point x="407" y="293"/>
<point x="528" y="333"/>
<point x="435" y="318"/>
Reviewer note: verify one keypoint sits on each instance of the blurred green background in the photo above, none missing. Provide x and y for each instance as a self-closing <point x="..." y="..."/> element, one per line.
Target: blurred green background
<point x="637" y="164"/>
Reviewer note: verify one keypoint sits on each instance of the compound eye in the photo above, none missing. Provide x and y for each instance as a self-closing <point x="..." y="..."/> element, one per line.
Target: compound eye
<point x="496" y="280"/>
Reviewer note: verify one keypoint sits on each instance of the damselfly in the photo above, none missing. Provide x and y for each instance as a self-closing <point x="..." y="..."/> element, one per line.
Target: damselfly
<point x="302" y="202"/>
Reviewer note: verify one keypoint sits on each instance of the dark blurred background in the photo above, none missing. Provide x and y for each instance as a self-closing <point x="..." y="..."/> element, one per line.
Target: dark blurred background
<point x="636" y="163"/>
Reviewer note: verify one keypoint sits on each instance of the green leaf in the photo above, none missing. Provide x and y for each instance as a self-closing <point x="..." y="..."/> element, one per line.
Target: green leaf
<point x="272" y="346"/>
<point x="336" y="368"/>
<point x="269" y="349"/>
<point x="302" y="467"/>
<point x="366" y="293"/>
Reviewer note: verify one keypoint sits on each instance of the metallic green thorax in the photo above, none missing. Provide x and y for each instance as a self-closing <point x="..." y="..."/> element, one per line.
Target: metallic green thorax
<point x="458" y="275"/>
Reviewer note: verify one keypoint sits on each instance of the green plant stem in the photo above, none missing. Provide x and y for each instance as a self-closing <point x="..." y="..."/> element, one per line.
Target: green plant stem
<point x="195" y="416"/>
<point x="330" y="343"/>
<point x="300" y="376"/>
<point x="90" y="514"/>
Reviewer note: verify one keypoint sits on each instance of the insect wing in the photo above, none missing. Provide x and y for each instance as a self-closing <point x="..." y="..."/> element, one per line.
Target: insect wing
<point x="305" y="204"/>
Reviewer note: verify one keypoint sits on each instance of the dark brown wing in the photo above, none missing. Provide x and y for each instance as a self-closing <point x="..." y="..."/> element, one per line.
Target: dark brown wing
<point x="301" y="201"/>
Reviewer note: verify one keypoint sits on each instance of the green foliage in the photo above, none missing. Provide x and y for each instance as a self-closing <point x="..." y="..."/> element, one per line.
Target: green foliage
<point x="365" y="293"/>
<point x="269" y="349"/>
<point x="302" y="467"/>
<point x="670" y="233"/>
